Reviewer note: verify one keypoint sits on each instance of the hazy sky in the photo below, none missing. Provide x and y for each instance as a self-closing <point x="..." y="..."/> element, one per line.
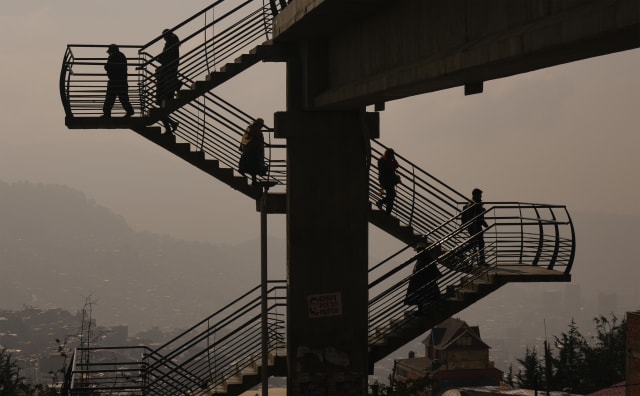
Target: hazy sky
<point x="563" y="135"/>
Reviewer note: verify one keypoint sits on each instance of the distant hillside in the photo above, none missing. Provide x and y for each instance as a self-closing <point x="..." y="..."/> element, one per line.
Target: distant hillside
<point x="56" y="247"/>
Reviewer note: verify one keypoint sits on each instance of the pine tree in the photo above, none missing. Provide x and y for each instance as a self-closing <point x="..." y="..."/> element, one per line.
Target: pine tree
<point x="578" y="367"/>
<point x="532" y="377"/>
<point x="509" y="378"/>
<point x="605" y="360"/>
<point x="10" y="379"/>
<point x="548" y="367"/>
<point x="569" y="366"/>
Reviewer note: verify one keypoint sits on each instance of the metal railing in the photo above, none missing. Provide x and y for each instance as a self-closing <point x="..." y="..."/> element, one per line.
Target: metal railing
<point x="209" y="123"/>
<point x="111" y="370"/>
<point x="215" y="127"/>
<point x="221" y="346"/>
<point x="518" y="235"/>
<point x="422" y="202"/>
<point x="209" y="39"/>
<point x="83" y="80"/>
<point x="196" y="361"/>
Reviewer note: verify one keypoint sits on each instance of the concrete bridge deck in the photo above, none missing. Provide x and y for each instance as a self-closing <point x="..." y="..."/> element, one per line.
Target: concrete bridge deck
<point x="363" y="52"/>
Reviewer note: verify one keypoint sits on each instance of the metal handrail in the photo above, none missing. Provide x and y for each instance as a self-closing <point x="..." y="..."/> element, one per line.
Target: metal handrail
<point x="209" y="124"/>
<point x="83" y="80"/>
<point x="215" y="127"/>
<point x="195" y="361"/>
<point x="423" y="202"/>
<point x="228" y="339"/>
<point x="234" y="27"/>
<point x="112" y="368"/>
<point x="518" y="234"/>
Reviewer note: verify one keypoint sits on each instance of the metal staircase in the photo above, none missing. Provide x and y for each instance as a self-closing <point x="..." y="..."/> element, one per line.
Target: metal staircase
<point x="221" y="354"/>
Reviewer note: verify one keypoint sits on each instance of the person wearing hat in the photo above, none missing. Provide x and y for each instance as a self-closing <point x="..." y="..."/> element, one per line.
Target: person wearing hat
<point x="167" y="74"/>
<point x="252" y="148"/>
<point x="117" y="86"/>
<point x="476" y="214"/>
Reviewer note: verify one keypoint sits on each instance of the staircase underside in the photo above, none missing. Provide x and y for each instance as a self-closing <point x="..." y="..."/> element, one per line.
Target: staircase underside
<point x="529" y="273"/>
<point x="392" y="226"/>
<point x="414" y="324"/>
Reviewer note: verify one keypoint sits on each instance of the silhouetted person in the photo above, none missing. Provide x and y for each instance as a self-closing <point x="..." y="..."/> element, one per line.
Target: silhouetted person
<point x="475" y="212"/>
<point x="388" y="178"/>
<point x="252" y="148"/>
<point x="423" y="287"/>
<point x="274" y="7"/>
<point x="117" y="85"/>
<point x="167" y="74"/>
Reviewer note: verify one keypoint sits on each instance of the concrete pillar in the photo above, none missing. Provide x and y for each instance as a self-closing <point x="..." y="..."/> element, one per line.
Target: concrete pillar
<point x="327" y="247"/>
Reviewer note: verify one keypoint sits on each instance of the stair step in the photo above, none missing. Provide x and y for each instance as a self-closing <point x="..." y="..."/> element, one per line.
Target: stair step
<point x="210" y="165"/>
<point x="182" y="148"/>
<point x="247" y="59"/>
<point x="196" y="157"/>
<point x="463" y="293"/>
<point x="186" y="94"/>
<point x="268" y="52"/>
<point x="262" y="47"/>
<point x="233" y="68"/>
<point x="167" y="138"/>
<point x="218" y="77"/>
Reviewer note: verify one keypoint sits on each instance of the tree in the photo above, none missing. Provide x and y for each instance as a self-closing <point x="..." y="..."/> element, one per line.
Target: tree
<point x="509" y="378"/>
<point x="569" y="366"/>
<point x="548" y="366"/>
<point x="532" y="377"/>
<point x="577" y="366"/>
<point x="605" y="360"/>
<point x="11" y="383"/>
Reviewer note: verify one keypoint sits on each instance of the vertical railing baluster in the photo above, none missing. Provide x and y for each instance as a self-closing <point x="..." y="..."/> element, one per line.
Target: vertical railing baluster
<point x="413" y="194"/>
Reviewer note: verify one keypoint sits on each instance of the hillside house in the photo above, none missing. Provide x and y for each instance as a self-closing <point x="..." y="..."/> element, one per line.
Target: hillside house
<point x="455" y="356"/>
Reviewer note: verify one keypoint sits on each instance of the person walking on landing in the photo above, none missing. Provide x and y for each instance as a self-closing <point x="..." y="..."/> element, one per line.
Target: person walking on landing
<point x="388" y="178"/>
<point x="117" y="85"/>
<point x="475" y="212"/>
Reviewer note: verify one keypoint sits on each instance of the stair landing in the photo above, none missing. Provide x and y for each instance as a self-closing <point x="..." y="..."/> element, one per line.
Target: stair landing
<point x="115" y="122"/>
<point x="528" y="273"/>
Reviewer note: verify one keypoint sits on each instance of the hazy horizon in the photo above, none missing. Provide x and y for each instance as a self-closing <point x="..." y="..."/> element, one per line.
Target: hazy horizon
<point x="561" y="135"/>
<point x="60" y="246"/>
<point x="564" y="135"/>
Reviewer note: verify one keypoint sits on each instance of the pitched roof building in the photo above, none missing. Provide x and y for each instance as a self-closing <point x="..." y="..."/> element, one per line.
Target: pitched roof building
<point x="455" y="356"/>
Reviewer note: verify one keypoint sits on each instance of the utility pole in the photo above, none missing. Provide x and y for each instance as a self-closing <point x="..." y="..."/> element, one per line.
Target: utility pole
<point x="263" y="286"/>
